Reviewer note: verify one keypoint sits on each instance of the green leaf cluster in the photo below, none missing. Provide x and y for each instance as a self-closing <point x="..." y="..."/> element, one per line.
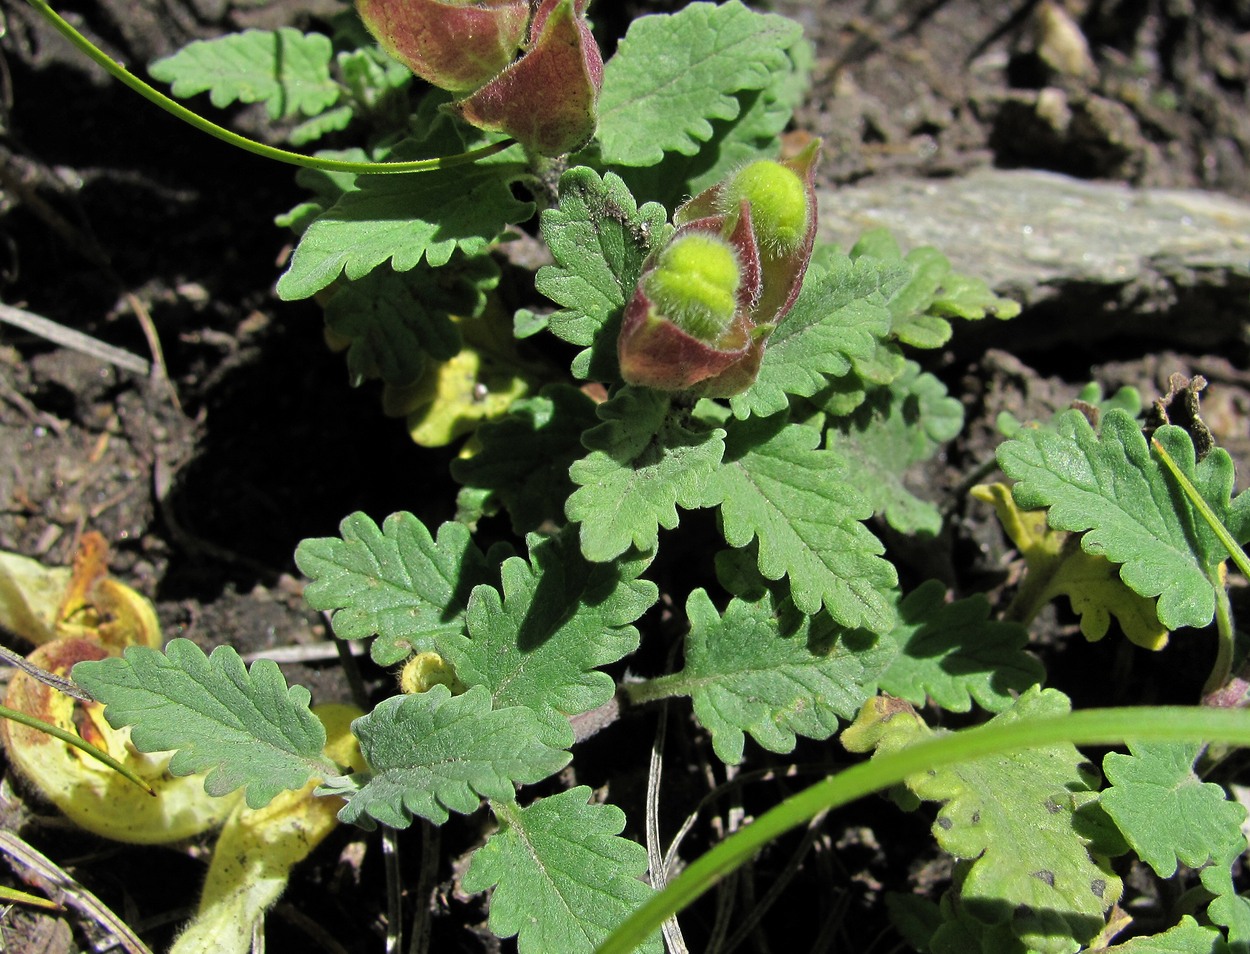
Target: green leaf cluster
<point x="805" y="623"/>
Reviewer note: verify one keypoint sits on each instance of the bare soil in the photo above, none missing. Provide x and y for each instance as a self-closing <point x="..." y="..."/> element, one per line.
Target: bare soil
<point x="204" y="476"/>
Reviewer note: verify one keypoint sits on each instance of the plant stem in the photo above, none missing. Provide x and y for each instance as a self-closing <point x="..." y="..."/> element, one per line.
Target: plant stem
<point x="79" y="743"/>
<point x="653" y="690"/>
<point x="1225" y="635"/>
<point x="152" y="95"/>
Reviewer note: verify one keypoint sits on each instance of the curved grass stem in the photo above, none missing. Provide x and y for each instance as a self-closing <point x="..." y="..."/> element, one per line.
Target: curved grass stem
<point x="1089" y="727"/>
<point x="152" y="95"/>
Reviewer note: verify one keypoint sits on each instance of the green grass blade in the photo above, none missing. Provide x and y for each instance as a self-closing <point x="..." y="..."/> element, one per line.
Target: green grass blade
<point x="70" y="739"/>
<point x="1090" y="727"/>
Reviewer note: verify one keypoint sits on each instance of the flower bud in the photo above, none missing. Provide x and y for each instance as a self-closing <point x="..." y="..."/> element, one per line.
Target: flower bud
<point x="695" y="285"/>
<point x="781" y="195"/>
<point x="688" y="325"/>
<point x="455" y="45"/>
<point x="548" y="99"/>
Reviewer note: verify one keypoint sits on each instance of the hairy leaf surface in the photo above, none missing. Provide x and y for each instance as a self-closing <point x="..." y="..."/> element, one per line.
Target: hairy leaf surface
<point x="563" y="877"/>
<point x="285" y="69"/>
<point x="674" y="73"/>
<point x="840" y="315"/>
<point x="433" y="753"/>
<point x="396" y="581"/>
<point x="1166" y="812"/>
<point x="643" y="464"/>
<point x="539" y="644"/>
<point x="953" y="653"/>
<point x="600" y="239"/>
<point x="776" y="486"/>
<point x="766" y="670"/>
<point x="1112" y="487"/>
<point x="244" y="727"/>
<point x="898" y="426"/>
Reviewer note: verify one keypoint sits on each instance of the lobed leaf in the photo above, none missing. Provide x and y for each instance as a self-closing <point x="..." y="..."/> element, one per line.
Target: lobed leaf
<point x="672" y="74"/>
<point x="839" y="315"/>
<point x="1012" y="818"/>
<point x="930" y="293"/>
<point x="777" y="487"/>
<point x="764" y="669"/>
<point x="525" y="456"/>
<point x="563" y="877"/>
<point x="397" y="582"/>
<point x="404" y="219"/>
<point x="397" y="321"/>
<point x="244" y="727"/>
<point x="599" y="238"/>
<point x="643" y="464"/>
<point x="953" y="653"/>
<point x="540" y="642"/>
<point x="753" y="133"/>
<point x="285" y="69"/>
<point x="1185" y="937"/>
<point x="897" y="426"/>
<point x="433" y="753"/>
<point x="1110" y="486"/>
<point x="1166" y="812"/>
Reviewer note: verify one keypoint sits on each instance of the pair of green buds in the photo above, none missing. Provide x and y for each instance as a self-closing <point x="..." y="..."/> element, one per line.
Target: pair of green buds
<point x="546" y="97"/>
<point x="707" y="301"/>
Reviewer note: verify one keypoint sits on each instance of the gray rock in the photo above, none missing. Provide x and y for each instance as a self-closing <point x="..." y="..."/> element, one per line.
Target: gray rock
<point x="1114" y="259"/>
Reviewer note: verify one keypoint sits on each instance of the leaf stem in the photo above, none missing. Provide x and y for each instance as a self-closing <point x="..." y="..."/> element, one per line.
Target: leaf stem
<point x="653" y="690"/>
<point x="1090" y="727"/>
<point x="77" y="742"/>
<point x="1208" y="515"/>
<point x="1226" y="636"/>
<point x="152" y="95"/>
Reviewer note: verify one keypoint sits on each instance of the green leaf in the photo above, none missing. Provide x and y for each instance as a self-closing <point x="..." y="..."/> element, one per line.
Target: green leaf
<point x="433" y="753"/>
<point x="540" y="643"/>
<point x="599" y="239"/>
<point x="778" y="487"/>
<point x="1013" y="814"/>
<point x="1054" y="568"/>
<point x="1186" y="937"/>
<point x="953" y="653"/>
<point x="931" y="293"/>
<point x="404" y="219"/>
<point x="396" y="582"/>
<point x="840" y="315"/>
<point x="395" y="321"/>
<point x="1166" y="813"/>
<point x="563" y="877"/>
<point x="767" y="670"/>
<point x="244" y="727"/>
<point x="287" y="70"/>
<point x="643" y="464"/>
<point x="672" y="74"/>
<point x="898" y="426"/>
<point x="754" y="133"/>
<point x="1110" y="485"/>
<point x="525" y="457"/>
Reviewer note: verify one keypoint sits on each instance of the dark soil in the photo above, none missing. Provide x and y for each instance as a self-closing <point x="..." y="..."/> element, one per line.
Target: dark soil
<point x="204" y="478"/>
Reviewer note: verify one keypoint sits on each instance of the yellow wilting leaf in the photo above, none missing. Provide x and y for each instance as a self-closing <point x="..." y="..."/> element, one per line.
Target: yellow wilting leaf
<point x="257" y="849"/>
<point x="92" y="795"/>
<point x="1057" y="566"/>
<point x="478" y="384"/>
<point x="75" y="614"/>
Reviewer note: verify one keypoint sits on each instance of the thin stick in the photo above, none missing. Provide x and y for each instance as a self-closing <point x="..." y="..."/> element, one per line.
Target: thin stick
<point x="57" y="883"/>
<point x="69" y="338"/>
<point x="59" y="683"/>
